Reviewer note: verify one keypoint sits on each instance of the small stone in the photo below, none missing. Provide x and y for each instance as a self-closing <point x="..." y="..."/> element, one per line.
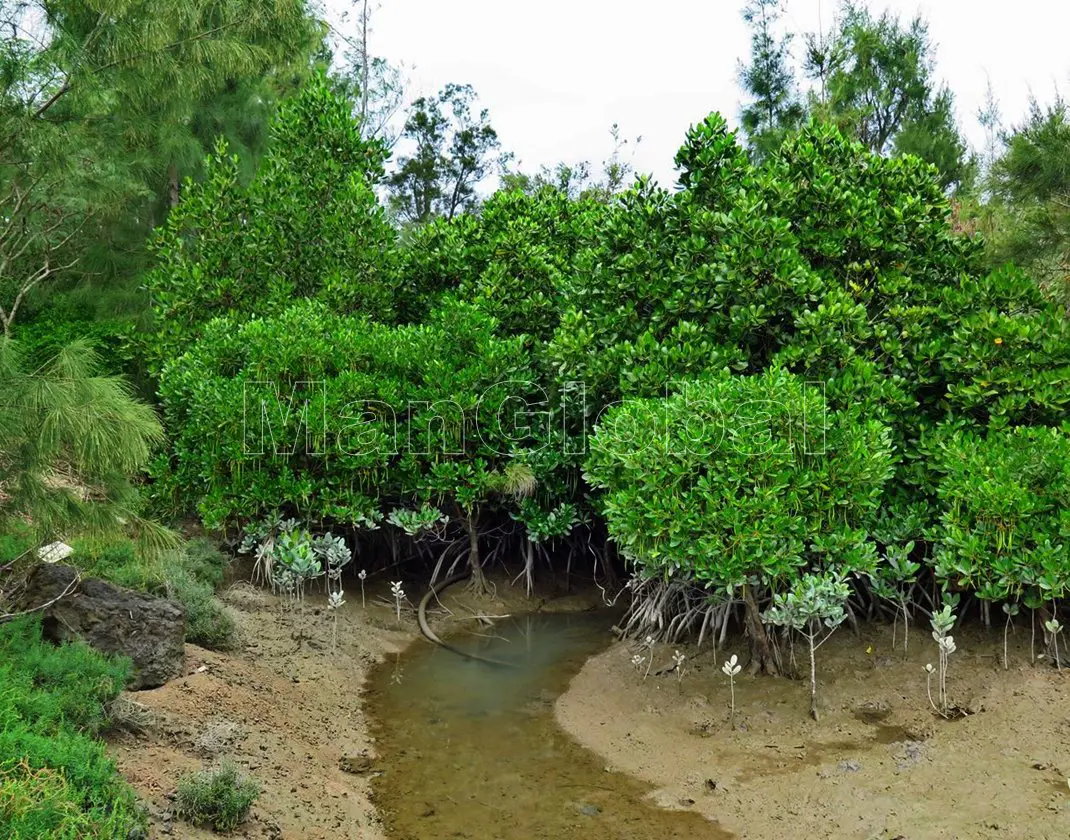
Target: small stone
<point x="590" y="810"/>
<point x="850" y="766"/>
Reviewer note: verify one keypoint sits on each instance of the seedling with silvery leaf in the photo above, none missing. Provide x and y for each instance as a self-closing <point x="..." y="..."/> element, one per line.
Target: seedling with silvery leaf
<point x="399" y="596"/>
<point x="335" y="601"/>
<point x="1010" y="609"/>
<point x="363" y="576"/>
<point x="678" y="660"/>
<point x="942" y="622"/>
<point x="814" y="607"/>
<point x="894" y="581"/>
<point x="648" y="645"/>
<point x="1054" y="628"/>
<point x="731" y="669"/>
<point x="336" y="555"/>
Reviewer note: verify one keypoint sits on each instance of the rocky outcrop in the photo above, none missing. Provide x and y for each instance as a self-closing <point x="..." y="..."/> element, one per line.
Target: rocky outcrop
<point x="150" y="631"/>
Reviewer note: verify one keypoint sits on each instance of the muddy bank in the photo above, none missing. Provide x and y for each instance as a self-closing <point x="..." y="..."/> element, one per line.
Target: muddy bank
<point x="288" y="707"/>
<point x="285" y="711"/>
<point x="879" y="764"/>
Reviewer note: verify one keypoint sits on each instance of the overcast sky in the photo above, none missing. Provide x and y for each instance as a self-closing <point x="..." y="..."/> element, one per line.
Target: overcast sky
<point x="556" y="75"/>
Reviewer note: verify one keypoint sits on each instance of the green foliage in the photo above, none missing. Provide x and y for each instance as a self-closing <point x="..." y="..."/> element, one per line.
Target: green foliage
<point x="99" y="109"/>
<point x="208" y="623"/>
<point x="1030" y="199"/>
<point x="55" y="778"/>
<point x="876" y="78"/>
<point x="1005" y="512"/>
<point x="70" y="439"/>
<point x="737" y="477"/>
<point x="219" y="798"/>
<point x="309" y="225"/>
<point x="401" y="413"/>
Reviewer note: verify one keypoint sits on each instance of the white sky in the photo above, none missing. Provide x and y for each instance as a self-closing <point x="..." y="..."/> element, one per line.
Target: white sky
<point x="556" y="75"/>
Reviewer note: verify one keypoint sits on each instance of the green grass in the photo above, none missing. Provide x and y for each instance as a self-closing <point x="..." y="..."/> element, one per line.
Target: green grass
<point x="218" y="798"/>
<point x="56" y="779"/>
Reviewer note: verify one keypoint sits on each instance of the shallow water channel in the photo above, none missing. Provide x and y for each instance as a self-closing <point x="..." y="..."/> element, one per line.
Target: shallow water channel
<point x="472" y="750"/>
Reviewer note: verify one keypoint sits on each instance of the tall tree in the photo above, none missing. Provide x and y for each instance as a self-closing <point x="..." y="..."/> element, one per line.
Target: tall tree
<point x="374" y="85"/>
<point x="455" y="149"/>
<point x="1030" y="184"/>
<point x="877" y="84"/>
<point x="96" y="101"/>
<point x="774" y="107"/>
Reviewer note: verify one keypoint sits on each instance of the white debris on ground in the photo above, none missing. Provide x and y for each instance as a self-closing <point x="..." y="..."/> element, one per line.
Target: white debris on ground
<point x="54" y="552"/>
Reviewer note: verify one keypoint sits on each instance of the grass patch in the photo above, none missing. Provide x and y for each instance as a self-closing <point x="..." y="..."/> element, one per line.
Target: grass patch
<point x="219" y="798"/>
<point x="56" y="779"/>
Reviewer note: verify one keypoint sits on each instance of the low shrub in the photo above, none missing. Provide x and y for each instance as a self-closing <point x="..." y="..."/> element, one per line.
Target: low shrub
<point x="219" y="798"/>
<point x="208" y="623"/>
<point x="56" y="779"/>
<point x="120" y="563"/>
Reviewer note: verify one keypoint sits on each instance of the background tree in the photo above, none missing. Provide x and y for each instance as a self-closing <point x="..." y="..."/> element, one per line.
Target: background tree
<point x="1029" y="187"/>
<point x="100" y="113"/>
<point x="454" y="151"/>
<point x="877" y="85"/>
<point x="775" y="107"/>
<point x="374" y="86"/>
<point x="250" y="249"/>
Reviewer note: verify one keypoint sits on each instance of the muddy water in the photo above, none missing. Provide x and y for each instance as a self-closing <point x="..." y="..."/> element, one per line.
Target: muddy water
<point x="471" y="750"/>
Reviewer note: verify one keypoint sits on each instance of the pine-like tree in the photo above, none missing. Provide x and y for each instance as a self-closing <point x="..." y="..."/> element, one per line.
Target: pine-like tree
<point x="774" y="107"/>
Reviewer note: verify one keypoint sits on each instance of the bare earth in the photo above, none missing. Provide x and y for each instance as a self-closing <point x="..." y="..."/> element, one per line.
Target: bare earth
<point x="879" y="764"/>
<point x="289" y="715"/>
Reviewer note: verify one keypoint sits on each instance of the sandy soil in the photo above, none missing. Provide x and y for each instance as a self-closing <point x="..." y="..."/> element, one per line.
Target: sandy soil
<point x="290" y="715"/>
<point x="879" y="764"/>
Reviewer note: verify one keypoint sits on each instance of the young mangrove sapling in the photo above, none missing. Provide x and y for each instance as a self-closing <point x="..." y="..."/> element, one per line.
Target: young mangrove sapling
<point x="731" y="670"/>
<point x="814" y="607"/>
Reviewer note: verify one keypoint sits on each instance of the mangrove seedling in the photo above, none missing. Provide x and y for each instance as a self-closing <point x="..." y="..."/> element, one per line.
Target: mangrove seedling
<point x="678" y="659"/>
<point x="1010" y="610"/>
<point x="942" y="621"/>
<point x="335" y="601"/>
<point x="731" y="670"/>
<point x="399" y="596"/>
<point x="1054" y="628"/>
<point x="637" y="662"/>
<point x="363" y="575"/>
<point x="648" y="643"/>
<point x="814" y="607"/>
<point x="336" y="555"/>
<point x="894" y="582"/>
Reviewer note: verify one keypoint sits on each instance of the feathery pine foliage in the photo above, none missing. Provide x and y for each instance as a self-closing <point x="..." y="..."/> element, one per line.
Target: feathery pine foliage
<point x="775" y="107"/>
<point x="70" y="440"/>
<point x="104" y="105"/>
<point x="1029" y="207"/>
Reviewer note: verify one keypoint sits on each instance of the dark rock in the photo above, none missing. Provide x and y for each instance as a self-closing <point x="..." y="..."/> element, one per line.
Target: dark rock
<point x="150" y="631"/>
